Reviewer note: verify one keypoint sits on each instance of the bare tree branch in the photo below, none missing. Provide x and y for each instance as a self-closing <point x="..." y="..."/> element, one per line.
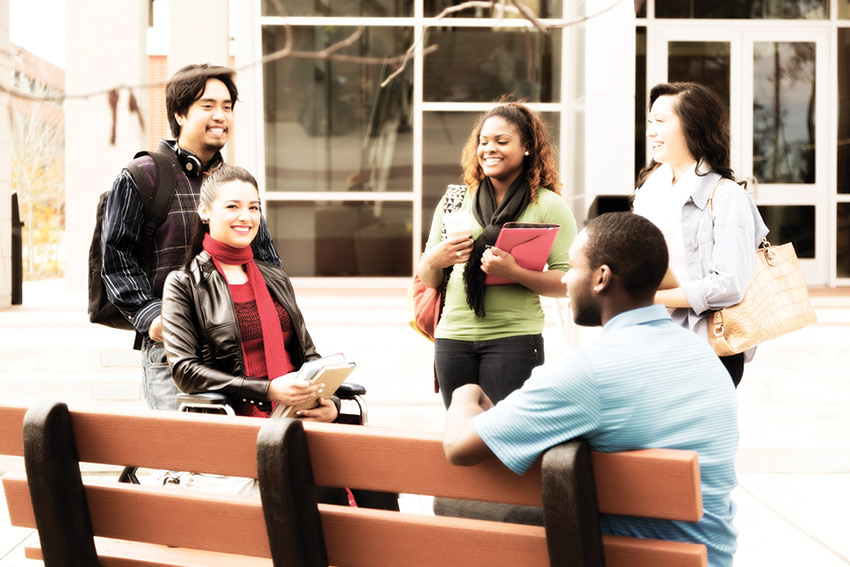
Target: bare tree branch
<point x="498" y="8"/>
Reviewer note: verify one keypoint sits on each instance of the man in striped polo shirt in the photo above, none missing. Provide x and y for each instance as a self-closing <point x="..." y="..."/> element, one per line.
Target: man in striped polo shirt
<point x="646" y="383"/>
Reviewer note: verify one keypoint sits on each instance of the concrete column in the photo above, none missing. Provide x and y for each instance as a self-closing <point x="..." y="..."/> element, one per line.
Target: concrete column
<point x="5" y="161"/>
<point x="249" y="152"/>
<point x="609" y="53"/>
<point x="199" y="33"/>
<point x="106" y="49"/>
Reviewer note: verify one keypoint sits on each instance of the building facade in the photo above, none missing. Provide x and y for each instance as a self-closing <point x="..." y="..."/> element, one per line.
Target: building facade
<point x="351" y="170"/>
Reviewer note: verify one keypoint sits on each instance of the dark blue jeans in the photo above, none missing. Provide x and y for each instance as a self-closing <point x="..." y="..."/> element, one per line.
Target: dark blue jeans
<point x="499" y="366"/>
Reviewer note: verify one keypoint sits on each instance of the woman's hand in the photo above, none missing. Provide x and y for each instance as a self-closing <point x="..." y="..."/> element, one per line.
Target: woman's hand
<point x="446" y="253"/>
<point x="450" y="252"/>
<point x="499" y="263"/>
<point x="326" y="412"/>
<point x="287" y="391"/>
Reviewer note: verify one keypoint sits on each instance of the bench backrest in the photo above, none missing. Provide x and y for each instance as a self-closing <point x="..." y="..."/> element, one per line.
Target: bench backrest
<point x="651" y="483"/>
<point x="294" y="457"/>
<point x="165" y="524"/>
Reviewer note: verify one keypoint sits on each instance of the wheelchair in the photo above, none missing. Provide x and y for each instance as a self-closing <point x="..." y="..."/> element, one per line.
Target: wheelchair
<point x="216" y="403"/>
<point x="350" y="394"/>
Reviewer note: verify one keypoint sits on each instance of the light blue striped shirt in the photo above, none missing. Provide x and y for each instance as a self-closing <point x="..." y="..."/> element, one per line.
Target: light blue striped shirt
<point x="646" y="383"/>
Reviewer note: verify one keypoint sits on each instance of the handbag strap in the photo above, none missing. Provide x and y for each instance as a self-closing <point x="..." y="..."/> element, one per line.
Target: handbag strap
<point x="769" y="254"/>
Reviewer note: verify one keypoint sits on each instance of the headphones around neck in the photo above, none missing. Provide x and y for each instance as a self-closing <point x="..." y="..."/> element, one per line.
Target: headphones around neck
<point x="190" y="162"/>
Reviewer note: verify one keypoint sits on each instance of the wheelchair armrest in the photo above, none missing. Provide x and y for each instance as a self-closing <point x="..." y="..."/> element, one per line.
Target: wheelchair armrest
<point x="348" y="390"/>
<point x="203" y="398"/>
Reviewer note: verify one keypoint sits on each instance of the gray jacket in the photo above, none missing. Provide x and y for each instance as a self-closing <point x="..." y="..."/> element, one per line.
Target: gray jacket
<point x="720" y="247"/>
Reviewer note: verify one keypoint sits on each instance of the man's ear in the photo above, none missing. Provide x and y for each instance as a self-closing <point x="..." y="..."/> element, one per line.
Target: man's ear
<point x="602" y="278"/>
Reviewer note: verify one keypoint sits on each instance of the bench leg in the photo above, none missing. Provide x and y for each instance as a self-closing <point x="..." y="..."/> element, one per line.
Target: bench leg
<point x="570" y="510"/>
<point x="56" y="487"/>
<point x="288" y="494"/>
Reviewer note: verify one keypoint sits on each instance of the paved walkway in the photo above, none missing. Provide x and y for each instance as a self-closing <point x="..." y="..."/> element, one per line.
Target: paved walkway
<point x="793" y="465"/>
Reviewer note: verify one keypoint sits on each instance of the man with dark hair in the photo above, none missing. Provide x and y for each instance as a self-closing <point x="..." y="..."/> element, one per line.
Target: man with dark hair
<point x="200" y="101"/>
<point x="646" y="383"/>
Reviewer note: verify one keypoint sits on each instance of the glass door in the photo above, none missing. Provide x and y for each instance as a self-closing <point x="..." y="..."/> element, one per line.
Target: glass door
<point x="774" y="82"/>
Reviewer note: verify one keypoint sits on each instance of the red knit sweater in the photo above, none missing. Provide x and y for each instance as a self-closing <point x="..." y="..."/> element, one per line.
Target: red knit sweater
<point x="252" y="335"/>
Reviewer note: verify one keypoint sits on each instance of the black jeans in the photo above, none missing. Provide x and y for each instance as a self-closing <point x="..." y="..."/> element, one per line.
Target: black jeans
<point x="499" y="366"/>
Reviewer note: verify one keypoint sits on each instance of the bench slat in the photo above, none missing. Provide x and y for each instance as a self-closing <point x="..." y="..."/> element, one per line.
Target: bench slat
<point x="419" y="466"/>
<point x="377" y="538"/>
<point x="173" y="517"/>
<point x="11" y="430"/>
<point x="624" y="481"/>
<point x="223" y="445"/>
<point x="628" y="484"/>
<point x="114" y="553"/>
<point x="635" y="552"/>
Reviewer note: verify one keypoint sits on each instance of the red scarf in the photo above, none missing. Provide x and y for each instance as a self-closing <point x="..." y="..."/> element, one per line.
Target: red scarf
<point x="273" y="346"/>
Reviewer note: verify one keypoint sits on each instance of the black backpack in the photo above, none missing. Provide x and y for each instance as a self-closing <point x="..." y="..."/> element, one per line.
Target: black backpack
<point x="157" y="202"/>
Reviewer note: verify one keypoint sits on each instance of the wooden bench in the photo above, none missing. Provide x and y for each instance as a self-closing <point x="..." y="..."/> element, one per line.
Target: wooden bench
<point x="287" y="527"/>
<point x="653" y="483"/>
<point x="103" y="522"/>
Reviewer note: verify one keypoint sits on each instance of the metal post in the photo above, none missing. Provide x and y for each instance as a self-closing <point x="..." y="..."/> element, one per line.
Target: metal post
<point x="17" y="253"/>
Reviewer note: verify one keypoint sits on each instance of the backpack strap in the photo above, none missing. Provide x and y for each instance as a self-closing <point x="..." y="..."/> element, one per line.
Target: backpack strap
<point x="156" y="199"/>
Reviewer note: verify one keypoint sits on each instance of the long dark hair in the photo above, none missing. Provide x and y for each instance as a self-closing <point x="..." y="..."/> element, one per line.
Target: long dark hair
<point x="539" y="167"/>
<point x="705" y="123"/>
<point x="210" y="188"/>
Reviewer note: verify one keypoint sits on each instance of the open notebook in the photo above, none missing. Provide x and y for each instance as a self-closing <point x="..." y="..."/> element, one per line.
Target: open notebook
<point x="329" y="370"/>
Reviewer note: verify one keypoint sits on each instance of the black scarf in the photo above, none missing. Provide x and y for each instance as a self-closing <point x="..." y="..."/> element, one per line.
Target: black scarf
<point x="517" y="197"/>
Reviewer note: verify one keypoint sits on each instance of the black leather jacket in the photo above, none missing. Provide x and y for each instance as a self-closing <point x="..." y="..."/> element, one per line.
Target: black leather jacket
<point x="201" y="333"/>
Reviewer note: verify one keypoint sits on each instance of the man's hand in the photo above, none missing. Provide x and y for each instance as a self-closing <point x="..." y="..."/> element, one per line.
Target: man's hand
<point x="155" y="329"/>
<point x="461" y="442"/>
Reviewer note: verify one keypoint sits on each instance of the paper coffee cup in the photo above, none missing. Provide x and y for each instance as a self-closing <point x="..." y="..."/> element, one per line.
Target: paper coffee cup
<point x="458" y="223"/>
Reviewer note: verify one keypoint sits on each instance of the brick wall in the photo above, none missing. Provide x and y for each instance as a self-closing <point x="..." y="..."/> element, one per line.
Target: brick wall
<point x="157" y="119"/>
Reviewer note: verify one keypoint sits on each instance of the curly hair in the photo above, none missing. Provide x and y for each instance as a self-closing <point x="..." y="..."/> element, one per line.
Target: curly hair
<point x="539" y="166"/>
<point x="705" y="123"/>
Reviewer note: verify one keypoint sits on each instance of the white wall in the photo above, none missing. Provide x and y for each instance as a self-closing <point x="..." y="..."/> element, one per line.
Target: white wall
<point x="199" y="32"/>
<point x="106" y="48"/>
<point x="609" y="83"/>
<point x="5" y="162"/>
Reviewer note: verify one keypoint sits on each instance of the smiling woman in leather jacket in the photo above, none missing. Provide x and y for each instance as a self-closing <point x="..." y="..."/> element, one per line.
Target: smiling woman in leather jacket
<point x="230" y="323"/>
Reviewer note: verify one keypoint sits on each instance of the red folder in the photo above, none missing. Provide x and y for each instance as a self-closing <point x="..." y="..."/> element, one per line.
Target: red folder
<point x="529" y="243"/>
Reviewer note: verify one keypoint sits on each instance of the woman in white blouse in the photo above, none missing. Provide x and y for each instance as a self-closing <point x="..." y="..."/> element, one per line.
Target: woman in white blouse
<point x="712" y="244"/>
